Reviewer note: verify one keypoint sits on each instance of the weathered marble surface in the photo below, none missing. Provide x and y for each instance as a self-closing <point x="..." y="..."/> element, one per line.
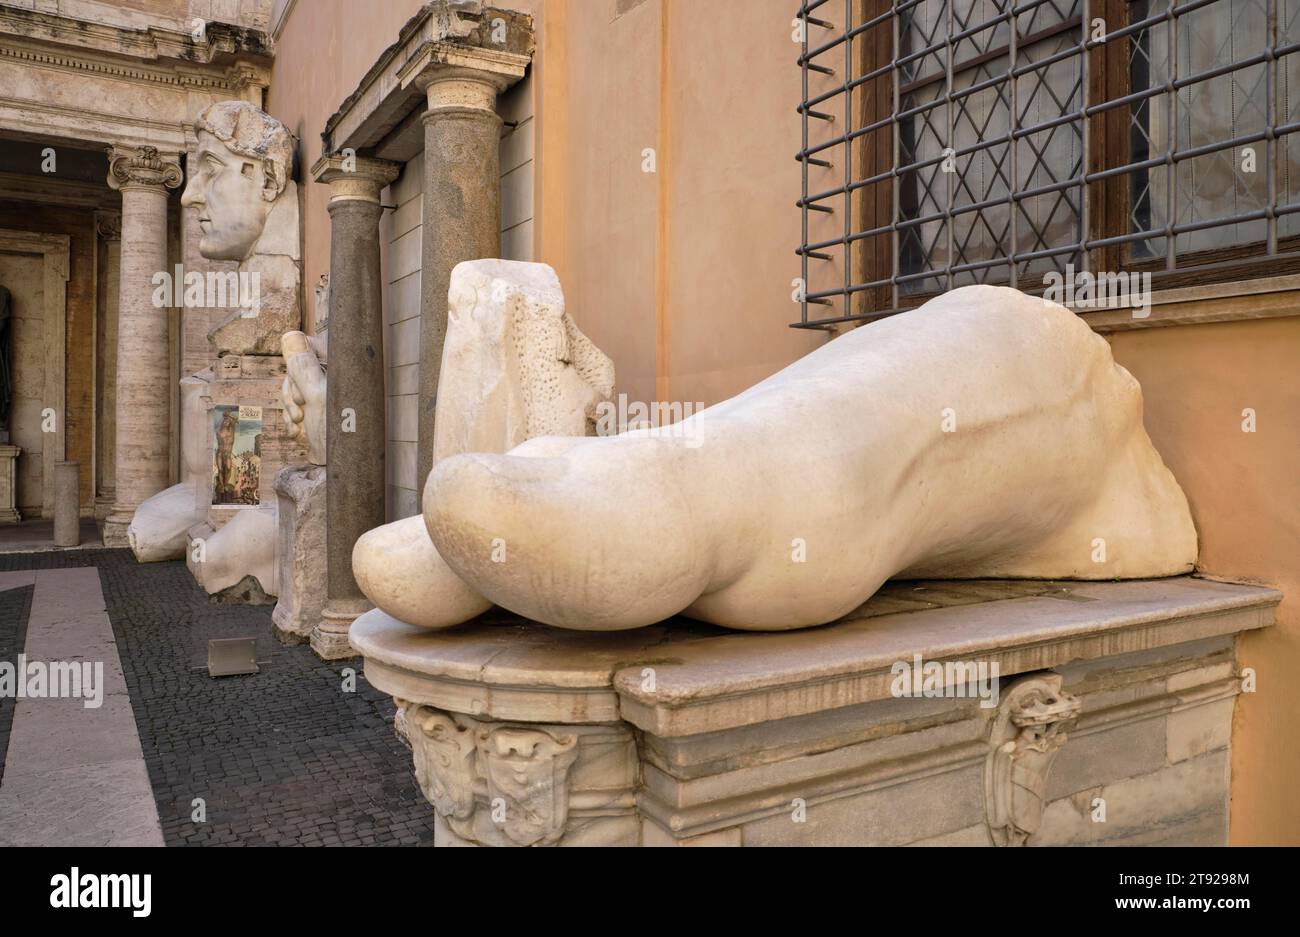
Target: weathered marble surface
<point x="300" y="551"/>
<point x="249" y="216"/>
<point x="303" y="394"/>
<point x="515" y="366"/>
<point x="985" y="434"/>
<point x="687" y="734"/>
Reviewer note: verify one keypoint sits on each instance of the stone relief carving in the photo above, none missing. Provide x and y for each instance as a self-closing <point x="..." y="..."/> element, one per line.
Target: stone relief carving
<point x="1027" y="733"/>
<point x="515" y="365"/>
<point x="529" y="770"/>
<point x="493" y="783"/>
<point x="444" y="762"/>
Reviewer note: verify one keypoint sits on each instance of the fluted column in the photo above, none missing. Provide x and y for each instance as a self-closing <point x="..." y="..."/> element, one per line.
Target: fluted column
<point x="354" y="433"/>
<point x="462" y="199"/>
<point x="142" y="458"/>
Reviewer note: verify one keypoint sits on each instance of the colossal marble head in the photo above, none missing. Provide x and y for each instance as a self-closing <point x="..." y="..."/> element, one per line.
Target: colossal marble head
<point x="242" y="167"/>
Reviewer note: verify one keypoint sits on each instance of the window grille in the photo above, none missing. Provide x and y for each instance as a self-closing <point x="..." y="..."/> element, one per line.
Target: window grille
<point x="948" y="142"/>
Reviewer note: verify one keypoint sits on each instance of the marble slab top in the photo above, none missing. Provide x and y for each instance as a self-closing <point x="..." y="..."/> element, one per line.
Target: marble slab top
<point x="682" y="677"/>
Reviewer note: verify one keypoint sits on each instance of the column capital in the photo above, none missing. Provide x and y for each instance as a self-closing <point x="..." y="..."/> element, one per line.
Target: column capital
<point x="459" y="76"/>
<point x="143" y="166"/>
<point x="354" y="178"/>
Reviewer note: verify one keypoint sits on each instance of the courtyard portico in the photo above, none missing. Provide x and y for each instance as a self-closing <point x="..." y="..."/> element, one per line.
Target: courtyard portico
<point x="96" y="129"/>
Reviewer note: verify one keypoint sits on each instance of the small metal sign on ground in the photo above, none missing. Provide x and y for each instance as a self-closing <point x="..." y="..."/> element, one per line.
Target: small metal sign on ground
<point x="230" y="656"/>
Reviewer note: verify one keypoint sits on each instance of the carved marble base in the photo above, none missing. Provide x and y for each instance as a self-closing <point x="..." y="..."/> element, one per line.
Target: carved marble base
<point x="1110" y="723"/>
<point x="9" y="484"/>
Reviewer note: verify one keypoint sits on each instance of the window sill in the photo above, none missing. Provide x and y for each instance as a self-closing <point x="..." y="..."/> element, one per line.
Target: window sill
<point x="1266" y="298"/>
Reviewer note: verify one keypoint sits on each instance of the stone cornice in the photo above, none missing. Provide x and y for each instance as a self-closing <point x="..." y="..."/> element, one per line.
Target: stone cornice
<point x="223" y="40"/>
<point x="225" y="78"/>
<point x="457" y="33"/>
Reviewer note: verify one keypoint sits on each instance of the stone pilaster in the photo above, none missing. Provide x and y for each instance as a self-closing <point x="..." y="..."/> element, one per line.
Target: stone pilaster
<point x="462" y="194"/>
<point x="355" y="418"/>
<point x="142" y="405"/>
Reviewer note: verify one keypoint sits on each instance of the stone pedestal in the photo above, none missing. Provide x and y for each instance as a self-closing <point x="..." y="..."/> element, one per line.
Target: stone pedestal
<point x="300" y="551"/>
<point x="143" y="398"/>
<point x="355" y="409"/>
<point x="1110" y="723"/>
<point x="9" y="484"/>
<point x="67" y="504"/>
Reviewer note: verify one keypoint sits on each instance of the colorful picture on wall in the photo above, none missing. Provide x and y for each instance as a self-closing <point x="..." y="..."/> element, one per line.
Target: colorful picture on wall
<point x="237" y="456"/>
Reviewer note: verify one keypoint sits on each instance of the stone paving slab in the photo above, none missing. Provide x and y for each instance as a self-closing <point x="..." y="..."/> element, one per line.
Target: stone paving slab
<point x="15" y="603"/>
<point x="75" y="774"/>
<point x="105" y="804"/>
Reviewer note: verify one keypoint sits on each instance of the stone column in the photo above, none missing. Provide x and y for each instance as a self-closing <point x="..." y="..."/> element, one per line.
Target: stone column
<point x="108" y="225"/>
<point x="142" y="406"/>
<point x="355" y="418"/>
<point x="462" y="198"/>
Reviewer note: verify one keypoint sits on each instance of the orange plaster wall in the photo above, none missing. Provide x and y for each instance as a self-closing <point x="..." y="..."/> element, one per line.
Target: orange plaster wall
<point x="1244" y="492"/>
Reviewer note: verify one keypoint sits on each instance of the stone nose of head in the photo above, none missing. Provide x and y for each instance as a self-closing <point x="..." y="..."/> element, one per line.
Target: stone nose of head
<point x="193" y="194"/>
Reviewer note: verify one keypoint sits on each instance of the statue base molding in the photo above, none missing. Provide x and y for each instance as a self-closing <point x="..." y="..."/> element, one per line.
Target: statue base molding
<point x="1110" y="722"/>
<point x="330" y="638"/>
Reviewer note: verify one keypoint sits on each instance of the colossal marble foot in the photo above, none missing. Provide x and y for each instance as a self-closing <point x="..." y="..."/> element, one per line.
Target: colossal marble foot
<point x="398" y="569"/>
<point x="985" y="434"/>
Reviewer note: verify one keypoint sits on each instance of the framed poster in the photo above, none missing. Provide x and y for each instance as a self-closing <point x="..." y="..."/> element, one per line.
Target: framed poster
<point x="237" y="455"/>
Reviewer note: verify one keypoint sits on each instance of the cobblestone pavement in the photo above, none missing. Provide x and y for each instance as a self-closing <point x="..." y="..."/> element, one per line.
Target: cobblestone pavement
<point x="282" y="757"/>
